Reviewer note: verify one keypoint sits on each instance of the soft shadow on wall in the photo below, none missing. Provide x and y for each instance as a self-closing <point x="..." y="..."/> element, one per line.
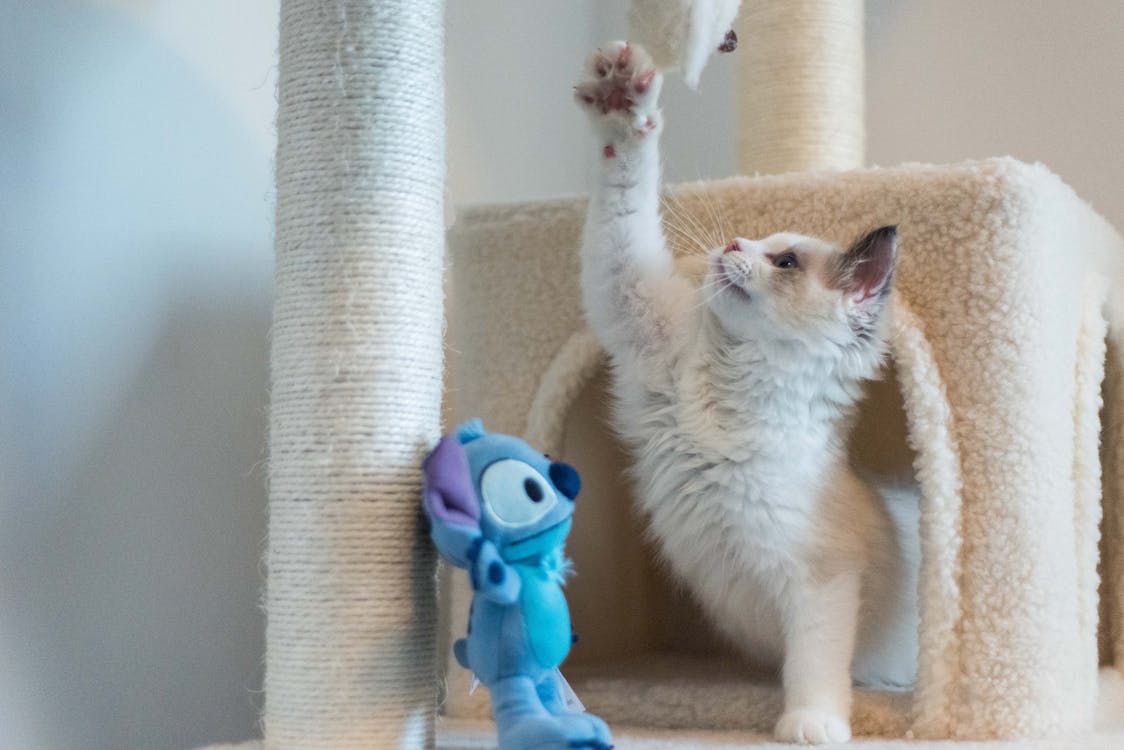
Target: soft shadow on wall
<point x="135" y="272"/>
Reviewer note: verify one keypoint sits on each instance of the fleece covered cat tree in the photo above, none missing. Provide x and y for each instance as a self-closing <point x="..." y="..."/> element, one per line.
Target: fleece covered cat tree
<point x="998" y="345"/>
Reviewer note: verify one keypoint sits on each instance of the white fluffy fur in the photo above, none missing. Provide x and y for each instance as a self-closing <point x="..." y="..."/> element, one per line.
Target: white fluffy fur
<point x="734" y="398"/>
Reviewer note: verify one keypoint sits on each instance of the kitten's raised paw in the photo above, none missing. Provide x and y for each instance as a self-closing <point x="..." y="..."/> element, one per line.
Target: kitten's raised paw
<point x="621" y="91"/>
<point x="810" y="726"/>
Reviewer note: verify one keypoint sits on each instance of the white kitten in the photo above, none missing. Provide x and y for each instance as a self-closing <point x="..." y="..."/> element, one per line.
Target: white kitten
<point x="733" y="399"/>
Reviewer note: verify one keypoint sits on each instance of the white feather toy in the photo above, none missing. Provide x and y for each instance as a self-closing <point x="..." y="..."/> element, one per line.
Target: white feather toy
<point x="682" y="34"/>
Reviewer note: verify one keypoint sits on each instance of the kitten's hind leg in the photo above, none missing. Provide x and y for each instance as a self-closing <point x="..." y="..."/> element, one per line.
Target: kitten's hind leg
<point x="820" y="627"/>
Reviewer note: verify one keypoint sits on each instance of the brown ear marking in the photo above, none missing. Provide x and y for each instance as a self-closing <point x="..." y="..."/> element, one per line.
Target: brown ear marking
<point x="867" y="267"/>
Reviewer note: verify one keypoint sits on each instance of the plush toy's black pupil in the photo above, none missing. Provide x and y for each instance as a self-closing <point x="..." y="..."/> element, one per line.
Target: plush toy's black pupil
<point x="533" y="490"/>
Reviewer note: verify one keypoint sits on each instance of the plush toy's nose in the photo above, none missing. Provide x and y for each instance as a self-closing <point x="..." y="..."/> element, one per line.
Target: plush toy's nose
<point x="566" y="479"/>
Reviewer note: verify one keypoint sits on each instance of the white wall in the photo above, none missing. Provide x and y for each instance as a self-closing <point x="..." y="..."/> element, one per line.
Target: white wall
<point x="1041" y="80"/>
<point x="135" y="264"/>
<point x="514" y="131"/>
<point x="135" y="208"/>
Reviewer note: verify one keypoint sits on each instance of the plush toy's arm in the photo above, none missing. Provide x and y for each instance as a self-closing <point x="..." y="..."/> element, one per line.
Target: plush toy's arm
<point x="491" y="577"/>
<point x="454" y="541"/>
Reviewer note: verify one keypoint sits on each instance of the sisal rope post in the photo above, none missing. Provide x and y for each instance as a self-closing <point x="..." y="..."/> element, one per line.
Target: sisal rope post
<point x="801" y="86"/>
<point x="356" y="374"/>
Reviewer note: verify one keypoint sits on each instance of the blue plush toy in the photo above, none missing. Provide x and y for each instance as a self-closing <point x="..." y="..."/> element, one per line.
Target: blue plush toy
<point x="503" y="510"/>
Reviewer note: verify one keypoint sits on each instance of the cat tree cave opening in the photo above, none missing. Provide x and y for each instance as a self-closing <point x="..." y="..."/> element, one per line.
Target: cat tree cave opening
<point x="646" y="652"/>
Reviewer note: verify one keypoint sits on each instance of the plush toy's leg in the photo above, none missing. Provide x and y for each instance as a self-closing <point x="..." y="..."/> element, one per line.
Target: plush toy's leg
<point x="522" y="722"/>
<point x="552" y="695"/>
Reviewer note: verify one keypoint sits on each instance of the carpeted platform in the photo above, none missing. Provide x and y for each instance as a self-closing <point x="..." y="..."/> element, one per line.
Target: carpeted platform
<point x="475" y="734"/>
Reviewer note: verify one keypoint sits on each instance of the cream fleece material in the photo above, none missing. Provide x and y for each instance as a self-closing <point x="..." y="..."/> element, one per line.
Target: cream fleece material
<point x="999" y="348"/>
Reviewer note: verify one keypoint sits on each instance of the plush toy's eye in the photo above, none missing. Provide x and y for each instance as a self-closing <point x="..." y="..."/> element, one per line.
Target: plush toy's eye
<point x="515" y="494"/>
<point x="533" y="490"/>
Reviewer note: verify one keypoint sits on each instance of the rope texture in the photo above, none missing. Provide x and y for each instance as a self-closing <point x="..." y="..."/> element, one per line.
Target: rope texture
<point x="800" y="94"/>
<point x="356" y="374"/>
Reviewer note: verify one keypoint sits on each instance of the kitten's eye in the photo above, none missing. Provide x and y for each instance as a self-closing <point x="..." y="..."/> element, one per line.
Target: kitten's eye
<point x="788" y="260"/>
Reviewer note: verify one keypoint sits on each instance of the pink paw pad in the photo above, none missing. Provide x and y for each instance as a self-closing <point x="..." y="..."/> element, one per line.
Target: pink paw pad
<point x="622" y="79"/>
<point x="617" y="99"/>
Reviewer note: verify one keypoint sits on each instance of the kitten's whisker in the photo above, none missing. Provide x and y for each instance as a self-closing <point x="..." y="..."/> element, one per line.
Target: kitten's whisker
<point x="706" y="300"/>
<point x="725" y="230"/>
<point x="719" y="284"/>
<point x="685" y="217"/>
<point x="676" y="216"/>
<point x="686" y="244"/>
<point x="683" y="235"/>
<point x="689" y="218"/>
<point x="674" y="223"/>
<point x="723" y="227"/>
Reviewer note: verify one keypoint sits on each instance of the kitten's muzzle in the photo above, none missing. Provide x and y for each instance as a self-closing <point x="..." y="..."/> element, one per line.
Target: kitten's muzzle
<point x="735" y="264"/>
<point x="734" y="268"/>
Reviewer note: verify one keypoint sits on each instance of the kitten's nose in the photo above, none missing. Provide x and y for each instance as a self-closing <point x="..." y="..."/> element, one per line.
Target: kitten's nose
<point x="732" y="248"/>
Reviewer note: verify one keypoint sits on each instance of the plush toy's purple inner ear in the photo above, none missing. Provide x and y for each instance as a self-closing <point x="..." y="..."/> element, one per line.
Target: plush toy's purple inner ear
<point x="449" y="494"/>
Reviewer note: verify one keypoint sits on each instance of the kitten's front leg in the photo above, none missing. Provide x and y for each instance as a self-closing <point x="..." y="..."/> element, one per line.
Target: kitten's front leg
<point x="628" y="283"/>
<point x="820" y="627"/>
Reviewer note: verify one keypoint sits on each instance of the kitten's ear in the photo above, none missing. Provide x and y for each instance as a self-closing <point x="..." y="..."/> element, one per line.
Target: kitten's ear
<point x="866" y="269"/>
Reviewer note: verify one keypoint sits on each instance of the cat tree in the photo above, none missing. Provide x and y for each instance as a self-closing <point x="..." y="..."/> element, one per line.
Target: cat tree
<point x="998" y="344"/>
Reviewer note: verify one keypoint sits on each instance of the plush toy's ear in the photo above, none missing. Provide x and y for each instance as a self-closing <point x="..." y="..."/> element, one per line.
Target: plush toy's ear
<point x="450" y="501"/>
<point x="449" y="494"/>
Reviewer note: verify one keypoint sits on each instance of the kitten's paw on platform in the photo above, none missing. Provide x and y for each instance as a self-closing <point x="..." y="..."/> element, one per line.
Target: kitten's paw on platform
<point x="810" y="726"/>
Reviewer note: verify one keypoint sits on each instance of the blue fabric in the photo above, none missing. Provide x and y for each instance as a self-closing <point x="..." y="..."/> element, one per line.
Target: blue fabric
<point x="547" y="616"/>
<point x="501" y="510"/>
